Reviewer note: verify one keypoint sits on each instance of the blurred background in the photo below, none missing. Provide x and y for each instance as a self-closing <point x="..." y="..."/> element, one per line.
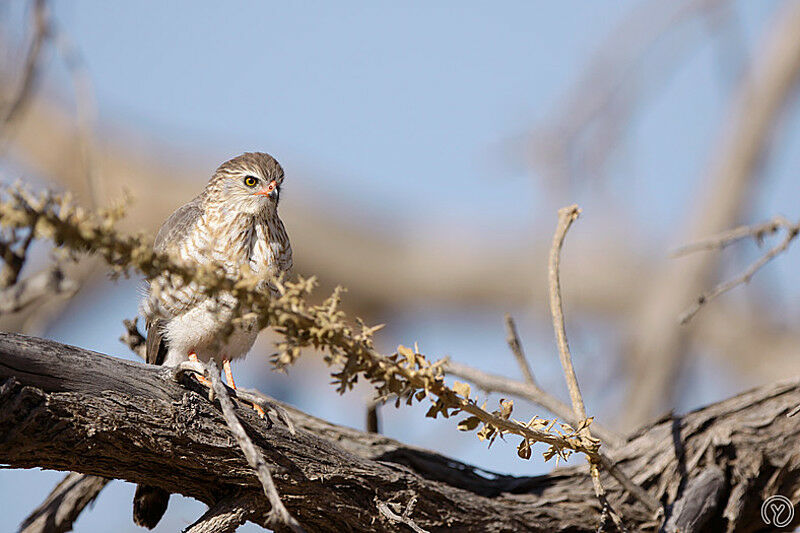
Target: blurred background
<point x="427" y="149"/>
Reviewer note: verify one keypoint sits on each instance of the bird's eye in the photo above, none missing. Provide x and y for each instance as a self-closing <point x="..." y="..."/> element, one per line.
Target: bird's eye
<point x="250" y="181"/>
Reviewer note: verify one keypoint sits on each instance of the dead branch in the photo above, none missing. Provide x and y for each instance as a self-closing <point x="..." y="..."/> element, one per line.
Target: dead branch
<point x="512" y="338"/>
<point x="659" y="347"/>
<point x="727" y="238"/>
<point x="566" y="216"/>
<point x="278" y="517"/>
<point x="70" y="409"/>
<point x="64" y="504"/>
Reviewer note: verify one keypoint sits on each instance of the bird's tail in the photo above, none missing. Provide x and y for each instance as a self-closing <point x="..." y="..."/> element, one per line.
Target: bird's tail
<point x="149" y="505"/>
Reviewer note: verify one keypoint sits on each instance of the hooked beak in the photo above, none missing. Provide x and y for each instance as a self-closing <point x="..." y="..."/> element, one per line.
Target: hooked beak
<point x="268" y="190"/>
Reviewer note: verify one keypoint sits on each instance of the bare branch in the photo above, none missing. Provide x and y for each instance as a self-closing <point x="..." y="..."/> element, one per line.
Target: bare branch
<point x="724" y="239"/>
<point x="279" y="515"/>
<point x="64" y="504"/>
<point x="104" y="416"/>
<point x="512" y="337"/>
<point x="226" y="516"/>
<point x="566" y="216"/>
<point x="659" y="347"/>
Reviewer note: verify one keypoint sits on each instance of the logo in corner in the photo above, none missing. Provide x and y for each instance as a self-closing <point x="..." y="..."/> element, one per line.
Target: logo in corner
<point x="777" y="511"/>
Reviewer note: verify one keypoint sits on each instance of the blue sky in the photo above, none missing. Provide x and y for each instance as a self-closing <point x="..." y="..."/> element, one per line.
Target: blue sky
<point x="411" y="117"/>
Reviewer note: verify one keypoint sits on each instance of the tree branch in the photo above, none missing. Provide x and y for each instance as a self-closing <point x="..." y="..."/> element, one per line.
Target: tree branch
<point x="65" y="408"/>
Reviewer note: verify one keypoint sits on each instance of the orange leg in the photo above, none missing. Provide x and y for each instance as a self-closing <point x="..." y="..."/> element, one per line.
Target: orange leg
<point x="201" y="379"/>
<point x="226" y="366"/>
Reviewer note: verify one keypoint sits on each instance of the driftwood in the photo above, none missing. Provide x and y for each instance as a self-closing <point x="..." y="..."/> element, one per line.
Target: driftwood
<point x="66" y="408"/>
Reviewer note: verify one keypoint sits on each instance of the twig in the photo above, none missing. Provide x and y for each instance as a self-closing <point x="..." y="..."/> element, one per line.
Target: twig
<point x="133" y="339"/>
<point x="566" y="216"/>
<point x="64" y="504"/>
<point x="494" y="383"/>
<point x="792" y="231"/>
<point x="726" y="238"/>
<point x="512" y="337"/>
<point x="279" y="515"/>
<point x="373" y="419"/>
<point x="405" y="518"/>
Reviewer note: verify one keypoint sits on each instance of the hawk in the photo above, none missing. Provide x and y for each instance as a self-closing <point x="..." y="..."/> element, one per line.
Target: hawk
<point x="232" y="223"/>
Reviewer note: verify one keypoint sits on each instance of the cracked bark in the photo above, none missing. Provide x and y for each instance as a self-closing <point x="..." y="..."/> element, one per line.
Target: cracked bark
<point x="66" y="408"/>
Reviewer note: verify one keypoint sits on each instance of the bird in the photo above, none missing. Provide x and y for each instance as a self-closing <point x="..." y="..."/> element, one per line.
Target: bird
<point x="232" y="223"/>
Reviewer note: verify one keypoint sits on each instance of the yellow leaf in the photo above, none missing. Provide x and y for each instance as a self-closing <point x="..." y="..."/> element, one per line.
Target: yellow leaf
<point x="462" y="389"/>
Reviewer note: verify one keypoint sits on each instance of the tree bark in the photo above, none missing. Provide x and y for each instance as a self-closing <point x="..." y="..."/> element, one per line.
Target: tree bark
<point x="66" y="408"/>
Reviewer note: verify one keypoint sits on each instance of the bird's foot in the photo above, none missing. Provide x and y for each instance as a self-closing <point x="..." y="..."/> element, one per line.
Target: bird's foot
<point x="198" y="370"/>
<point x="200" y="377"/>
<point x="226" y="367"/>
<point x="259" y="410"/>
<point x="258" y="399"/>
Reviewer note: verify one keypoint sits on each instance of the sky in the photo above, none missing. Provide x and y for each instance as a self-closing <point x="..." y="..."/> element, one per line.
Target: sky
<point x="412" y="116"/>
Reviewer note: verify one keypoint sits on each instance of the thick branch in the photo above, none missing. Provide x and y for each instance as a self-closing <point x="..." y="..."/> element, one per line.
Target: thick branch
<point x="70" y="409"/>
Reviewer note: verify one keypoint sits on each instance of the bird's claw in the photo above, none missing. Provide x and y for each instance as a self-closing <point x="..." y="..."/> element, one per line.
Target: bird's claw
<point x="198" y="370"/>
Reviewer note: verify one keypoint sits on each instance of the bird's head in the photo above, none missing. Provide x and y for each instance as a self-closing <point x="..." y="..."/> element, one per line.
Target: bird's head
<point x="249" y="183"/>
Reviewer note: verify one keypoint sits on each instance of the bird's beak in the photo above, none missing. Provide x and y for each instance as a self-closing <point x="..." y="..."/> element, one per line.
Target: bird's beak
<point x="268" y="190"/>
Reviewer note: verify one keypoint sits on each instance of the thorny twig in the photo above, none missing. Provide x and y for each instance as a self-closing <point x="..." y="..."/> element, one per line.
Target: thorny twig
<point x="718" y="242"/>
<point x="405" y="374"/>
<point x="494" y="383"/>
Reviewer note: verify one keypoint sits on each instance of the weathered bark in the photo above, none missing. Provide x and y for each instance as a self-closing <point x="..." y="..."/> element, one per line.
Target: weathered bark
<point x="65" y="408"/>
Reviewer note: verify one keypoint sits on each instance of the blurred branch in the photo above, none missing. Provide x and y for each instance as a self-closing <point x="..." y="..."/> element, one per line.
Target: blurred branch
<point x="64" y="504"/>
<point x="19" y="99"/>
<point x="45" y="284"/>
<point x="659" y="346"/>
<point x="729" y="237"/>
<point x="590" y="121"/>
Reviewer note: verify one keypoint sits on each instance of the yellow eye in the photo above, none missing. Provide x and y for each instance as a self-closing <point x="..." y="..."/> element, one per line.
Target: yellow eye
<point x="250" y="181"/>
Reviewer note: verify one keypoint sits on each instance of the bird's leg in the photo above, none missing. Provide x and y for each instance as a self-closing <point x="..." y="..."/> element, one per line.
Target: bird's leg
<point x="201" y="379"/>
<point x="226" y="365"/>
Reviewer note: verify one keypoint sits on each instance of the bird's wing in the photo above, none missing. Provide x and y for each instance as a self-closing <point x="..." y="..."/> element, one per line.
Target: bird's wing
<point x="283" y="259"/>
<point x="178" y="226"/>
<point x="156" y="346"/>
